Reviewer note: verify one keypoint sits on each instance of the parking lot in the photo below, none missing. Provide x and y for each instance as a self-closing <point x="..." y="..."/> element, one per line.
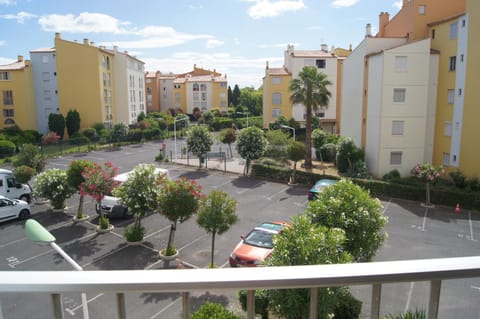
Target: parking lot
<point x="414" y="232"/>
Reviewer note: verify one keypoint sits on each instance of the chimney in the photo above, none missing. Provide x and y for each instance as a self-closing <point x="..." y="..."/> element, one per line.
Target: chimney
<point x="350" y="47"/>
<point x="368" y="30"/>
<point x="266" y="67"/>
<point x="57" y="35"/>
<point x="85" y="41"/>
<point x="384" y="19"/>
<point x="115" y="48"/>
<point x="324" y="47"/>
<point x="20" y="58"/>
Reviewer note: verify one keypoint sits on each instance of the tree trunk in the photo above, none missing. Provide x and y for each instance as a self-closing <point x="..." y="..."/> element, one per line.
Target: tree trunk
<point x="171" y="237"/>
<point x="308" y="138"/>
<point x="80" y="206"/>
<point x="427" y="194"/>
<point x="230" y="147"/>
<point x="294" y="174"/>
<point x="213" y="249"/>
<point x="100" y="211"/>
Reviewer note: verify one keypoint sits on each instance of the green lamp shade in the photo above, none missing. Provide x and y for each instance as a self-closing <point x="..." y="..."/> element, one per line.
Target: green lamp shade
<point x="37" y="233"/>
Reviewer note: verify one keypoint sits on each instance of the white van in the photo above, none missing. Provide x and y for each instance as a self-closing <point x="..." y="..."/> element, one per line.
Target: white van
<point x="111" y="205"/>
<point x="11" y="189"/>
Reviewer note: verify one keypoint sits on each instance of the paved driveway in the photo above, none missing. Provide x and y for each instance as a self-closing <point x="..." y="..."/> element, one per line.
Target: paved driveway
<point x="414" y="233"/>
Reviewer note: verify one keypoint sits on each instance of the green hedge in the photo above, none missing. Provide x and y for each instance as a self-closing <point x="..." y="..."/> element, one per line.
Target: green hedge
<point x="410" y="190"/>
<point x="7" y="148"/>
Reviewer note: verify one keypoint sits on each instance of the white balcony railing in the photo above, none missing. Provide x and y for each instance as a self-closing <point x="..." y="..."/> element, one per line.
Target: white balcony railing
<point x="188" y="280"/>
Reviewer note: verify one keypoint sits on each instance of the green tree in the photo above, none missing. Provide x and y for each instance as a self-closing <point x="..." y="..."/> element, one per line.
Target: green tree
<point x="30" y="155"/>
<point x="429" y="174"/>
<point x="295" y="152"/>
<point x="310" y="89"/>
<point x="319" y="137"/>
<point x="252" y="100"/>
<point x="211" y="310"/>
<point x="177" y="200"/>
<point x="347" y="154"/>
<point x="72" y="121"/>
<point x="228" y="136"/>
<point x="139" y="192"/>
<point x="75" y="179"/>
<point x="208" y="118"/>
<point x="251" y="145"/>
<point x="230" y="96"/>
<point x="235" y="95"/>
<point x="53" y="185"/>
<point x="199" y="141"/>
<point x="305" y="243"/>
<point x="347" y="206"/>
<point x="90" y="133"/>
<point x="119" y="131"/>
<point x="216" y="213"/>
<point x="56" y="123"/>
<point x="141" y="117"/>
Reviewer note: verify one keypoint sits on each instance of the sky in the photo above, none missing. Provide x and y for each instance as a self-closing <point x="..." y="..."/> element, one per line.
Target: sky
<point x="233" y="37"/>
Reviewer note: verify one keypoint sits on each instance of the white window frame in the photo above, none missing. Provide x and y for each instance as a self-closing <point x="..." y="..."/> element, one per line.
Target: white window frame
<point x="5" y="76"/>
<point x="276" y="80"/>
<point x="422" y="9"/>
<point x="46" y="76"/>
<point x="276" y="112"/>
<point x="453" y="30"/>
<point x="401" y="63"/>
<point x="398" y="127"/>
<point x="451" y="96"/>
<point x="399" y="95"/>
<point x="44" y="58"/>
<point x="448" y="128"/>
<point x="396" y="158"/>
<point x="276" y="98"/>
<point x="446" y="159"/>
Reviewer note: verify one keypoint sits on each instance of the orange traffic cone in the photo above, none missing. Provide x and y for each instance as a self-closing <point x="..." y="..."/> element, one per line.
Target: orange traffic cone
<point x="458" y="209"/>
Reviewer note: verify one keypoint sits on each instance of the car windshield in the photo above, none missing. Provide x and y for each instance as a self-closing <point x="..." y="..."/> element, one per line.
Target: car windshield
<point x="260" y="238"/>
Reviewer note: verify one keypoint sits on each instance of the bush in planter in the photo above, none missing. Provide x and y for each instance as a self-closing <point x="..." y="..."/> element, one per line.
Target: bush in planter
<point x="261" y="302"/>
<point x="211" y="310"/>
<point x="133" y="234"/>
<point x="103" y="222"/>
<point x="23" y="174"/>
<point x="53" y="185"/>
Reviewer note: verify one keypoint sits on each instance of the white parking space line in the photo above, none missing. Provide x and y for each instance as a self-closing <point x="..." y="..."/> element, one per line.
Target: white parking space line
<point x="275" y="194"/>
<point x="409" y="297"/>
<point x="220" y="185"/>
<point x="249" y="189"/>
<point x="166" y="307"/>
<point x="71" y="311"/>
<point x="471" y="226"/>
<point x="424" y="219"/>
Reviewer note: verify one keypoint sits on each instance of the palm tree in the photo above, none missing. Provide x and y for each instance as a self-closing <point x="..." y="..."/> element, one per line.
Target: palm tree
<point x="310" y="89"/>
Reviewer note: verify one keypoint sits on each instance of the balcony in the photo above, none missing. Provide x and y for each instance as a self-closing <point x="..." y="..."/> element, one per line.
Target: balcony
<point x="186" y="281"/>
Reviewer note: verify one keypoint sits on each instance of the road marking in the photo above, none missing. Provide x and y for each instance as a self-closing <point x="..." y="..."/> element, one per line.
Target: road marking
<point x="275" y="194"/>
<point x="166" y="307"/>
<point x="250" y="188"/>
<point x="424" y="219"/>
<point x="223" y="184"/>
<point x="471" y="226"/>
<point x="12" y="261"/>
<point x="409" y="297"/>
<point x="71" y="311"/>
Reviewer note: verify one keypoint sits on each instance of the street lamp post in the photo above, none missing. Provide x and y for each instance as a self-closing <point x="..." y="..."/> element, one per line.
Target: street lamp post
<point x="175" y="133"/>
<point x="244" y="113"/>
<point x="38" y="234"/>
<point x="290" y="128"/>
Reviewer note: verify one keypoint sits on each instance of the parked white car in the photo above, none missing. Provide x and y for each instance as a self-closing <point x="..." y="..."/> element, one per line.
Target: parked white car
<point x="13" y="208"/>
<point x="111" y="205"/>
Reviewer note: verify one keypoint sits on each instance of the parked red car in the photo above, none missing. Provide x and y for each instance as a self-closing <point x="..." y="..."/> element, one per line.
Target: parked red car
<point x="257" y="246"/>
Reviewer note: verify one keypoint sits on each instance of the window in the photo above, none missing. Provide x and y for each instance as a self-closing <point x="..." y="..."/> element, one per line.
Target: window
<point x="451" y="96"/>
<point x="223" y="84"/>
<point x="203" y="87"/>
<point x="196" y="87"/>
<point x="309" y="62"/>
<point x="44" y="58"/>
<point x="401" y="63"/>
<point x="448" y="128"/>
<point x="276" y="98"/>
<point x="462" y="57"/>
<point x="276" y="80"/>
<point x="47" y="94"/>
<point x="276" y="113"/>
<point x="397" y="127"/>
<point x="46" y="76"/>
<point x="453" y="63"/>
<point x="148" y="80"/>
<point x="204" y="96"/>
<point x="453" y="30"/>
<point x="421" y="9"/>
<point x="396" y="158"/>
<point x="7" y="98"/>
<point x="433" y="33"/>
<point x="463" y="23"/>
<point x="149" y="90"/>
<point x="196" y="97"/>
<point x="8" y="113"/>
<point x="459" y="92"/>
<point x="399" y="95"/>
<point x="5" y="76"/>
<point x="446" y="159"/>
<point x="178" y="99"/>
<point x="9" y="121"/>
<point x="321" y="64"/>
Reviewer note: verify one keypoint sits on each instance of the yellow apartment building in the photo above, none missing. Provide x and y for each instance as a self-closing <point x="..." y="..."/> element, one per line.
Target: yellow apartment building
<point x="276" y="95"/>
<point x="85" y="81"/>
<point x="152" y="91"/>
<point x="18" y="102"/>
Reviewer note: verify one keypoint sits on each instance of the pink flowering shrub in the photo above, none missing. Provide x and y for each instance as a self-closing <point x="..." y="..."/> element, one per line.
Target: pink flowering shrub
<point x="50" y="138"/>
<point x="427" y="172"/>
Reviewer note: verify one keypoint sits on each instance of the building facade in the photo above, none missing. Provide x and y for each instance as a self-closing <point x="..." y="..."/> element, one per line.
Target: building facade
<point x="276" y="95"/>
<point x="18" y="101"/>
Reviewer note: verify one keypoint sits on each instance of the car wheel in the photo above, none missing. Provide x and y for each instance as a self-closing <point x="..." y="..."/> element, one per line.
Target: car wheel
<point x="25" y="198"/>
<point x="125" y="213"/>
<point x="24" y="214"/>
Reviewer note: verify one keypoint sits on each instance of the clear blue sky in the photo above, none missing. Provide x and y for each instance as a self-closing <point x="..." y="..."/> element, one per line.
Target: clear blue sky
<point x="235" y="37"/>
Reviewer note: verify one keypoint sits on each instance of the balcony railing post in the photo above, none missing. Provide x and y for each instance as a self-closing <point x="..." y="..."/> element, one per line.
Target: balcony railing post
<point x="313" y="303"/>
<point x="122" y="314"/>
<point x="376" y="300"/>
<point x="434" y="301"/>
<point x="57" y="306"/>
<point x="250" y="304"/>
<point x="1" y="311"/>
<point x="186" y="305"/>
